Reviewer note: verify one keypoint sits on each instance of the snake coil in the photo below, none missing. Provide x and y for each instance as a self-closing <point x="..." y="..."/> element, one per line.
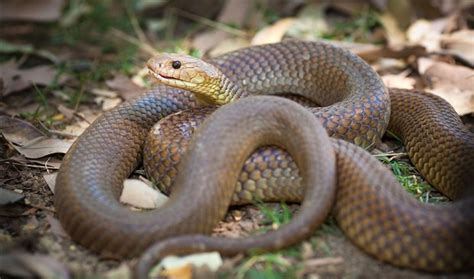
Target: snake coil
<point x="371" y="208"/>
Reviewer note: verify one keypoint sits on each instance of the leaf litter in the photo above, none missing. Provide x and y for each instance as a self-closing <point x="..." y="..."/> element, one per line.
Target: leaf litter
<point x="15" y="79"/>
<point x="399" y="60"/>
<point x="29" y="141"/>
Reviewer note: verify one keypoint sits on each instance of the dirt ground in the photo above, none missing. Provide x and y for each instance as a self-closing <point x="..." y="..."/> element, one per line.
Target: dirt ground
<point x="64" y="66"/>
<point x="31" y="237"/>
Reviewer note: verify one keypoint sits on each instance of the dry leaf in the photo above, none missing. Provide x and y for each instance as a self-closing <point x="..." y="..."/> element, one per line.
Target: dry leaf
<point x="138" y="194"/>
<point x="384" y="65"/>
<point x="55" y="226"/>
<point x="67" y="112"/>
<point x="37" y="10"/>
<point x="368" y="52"/>
<point x="21" y="109"/>
<point x="182" y="265"/>
<point x="461" y="44"/>
<point x="453" y="83"/>
<point x="107" y="103"/>
<point x="395" y="35"/>
<point x="104" y="93"/>
<point x="228" y="45"/>
<point x="121" y="272"/>
<point x="310" y="24"/>
<point x="7" y="47"/>
<point x="371" y="53"/>
<point x="125" y="87"/>
<point x="8" y="196"/>
<point x="205" y="41"/>
<point x="399" y="81"/>
<point x="29" y="265"/>
<point x="181" y="272"/>
<point x="140" y="76"/>
<point x="45" y="163"/>
<point x="437" y="71"/>
<point x="43" y="146"/>
<point x="15" y="79"/>
<point x="77" y="128"/>
<point x="29" y="141"/>
<point x="273" y="33"/>
<point x="106" y="98"/>
<point x="403" y="51"/>
<point x="234" y="12"/>
<point x="427" y="33"/>
<point x="50" y="179"/>
<point x="18" y="131"/>
<point x="307" y="250"/>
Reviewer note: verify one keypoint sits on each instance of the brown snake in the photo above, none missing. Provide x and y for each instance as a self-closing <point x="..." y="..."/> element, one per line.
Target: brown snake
<point x="371" y="207"/>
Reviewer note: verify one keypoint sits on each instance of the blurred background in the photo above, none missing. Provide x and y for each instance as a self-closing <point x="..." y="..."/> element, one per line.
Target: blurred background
<point x="80" y="40"/>
<point x="63" y="63"/>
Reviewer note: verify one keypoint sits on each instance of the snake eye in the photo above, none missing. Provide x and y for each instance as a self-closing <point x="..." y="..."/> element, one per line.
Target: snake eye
<point x="176" y="64"/>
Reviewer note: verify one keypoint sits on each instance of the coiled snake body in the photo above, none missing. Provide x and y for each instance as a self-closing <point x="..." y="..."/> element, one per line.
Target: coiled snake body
<point x="371" y="208"/>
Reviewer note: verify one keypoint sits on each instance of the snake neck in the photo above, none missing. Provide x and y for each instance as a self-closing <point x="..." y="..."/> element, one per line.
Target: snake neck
<point x="222" y="91"/>
<point x="217" y="90"/>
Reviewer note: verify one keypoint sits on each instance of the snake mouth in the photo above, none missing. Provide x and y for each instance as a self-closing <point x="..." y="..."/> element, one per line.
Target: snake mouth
<point x="169" y="80"/>
<point x="167" y="77"/>
<point x="162" y="77"/>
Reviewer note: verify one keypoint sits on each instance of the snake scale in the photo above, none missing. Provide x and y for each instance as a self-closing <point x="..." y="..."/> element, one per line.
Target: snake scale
<point x="370" y="206"/>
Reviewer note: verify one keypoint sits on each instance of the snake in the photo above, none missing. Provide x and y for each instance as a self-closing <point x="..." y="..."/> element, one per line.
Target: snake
<point x="329" y="175"/>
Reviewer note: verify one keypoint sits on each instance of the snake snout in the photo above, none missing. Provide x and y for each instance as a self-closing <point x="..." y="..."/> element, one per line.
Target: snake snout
<point x="154" y="64"/>
<point x="163" y="68"/>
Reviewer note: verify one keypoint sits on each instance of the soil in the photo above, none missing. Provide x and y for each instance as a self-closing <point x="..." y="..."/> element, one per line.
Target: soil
<point x="30" y="226"/>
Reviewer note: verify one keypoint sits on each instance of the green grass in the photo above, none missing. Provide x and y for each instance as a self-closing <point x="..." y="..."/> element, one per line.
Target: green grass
<point x="88" y="27"/>
<point x="43" y="111"/>
<point x="329" y="227"/>
<point x="357" y="29"/>
<point x="281" y="264"/>
<point x="96" y="55"/>
<point x="275" y="216"/>
<point x="95" y="20"/>
<point x="411" y="180"/>
<point x="271" y="265"/>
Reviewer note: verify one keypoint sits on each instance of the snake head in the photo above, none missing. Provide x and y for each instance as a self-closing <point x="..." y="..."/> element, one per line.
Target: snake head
<point x="189" y="73"/>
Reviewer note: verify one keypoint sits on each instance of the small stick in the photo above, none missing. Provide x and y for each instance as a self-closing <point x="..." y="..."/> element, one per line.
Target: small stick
<point x="144" y="46"/>
<point x="213" y="24"/>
